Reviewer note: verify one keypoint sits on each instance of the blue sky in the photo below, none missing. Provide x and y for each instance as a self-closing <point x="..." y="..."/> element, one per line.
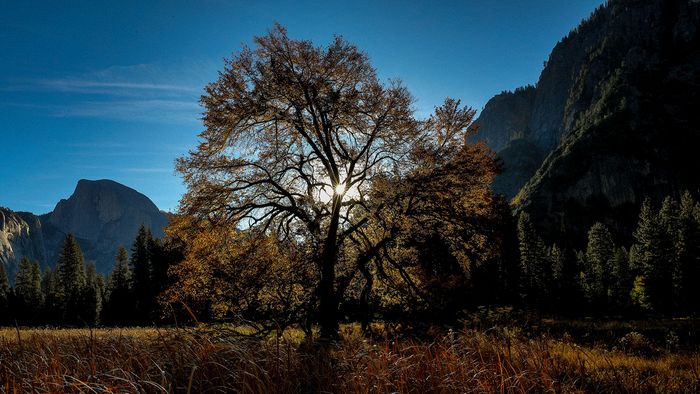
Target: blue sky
<point x="109" y="89"/>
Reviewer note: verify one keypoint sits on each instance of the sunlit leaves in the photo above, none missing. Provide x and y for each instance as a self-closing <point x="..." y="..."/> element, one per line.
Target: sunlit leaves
<point x="311" y="170"/>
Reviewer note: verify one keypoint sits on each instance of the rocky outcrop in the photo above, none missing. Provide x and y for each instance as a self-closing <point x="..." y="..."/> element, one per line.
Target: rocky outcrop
<point x="101" y="214"/>
<point x="520" y="159"/>
<point x="20" y="236"/>
<point x="105" y="209"/>
<point x="505" y="118"/>
<point x="503" y="126"/>
<point x="615" y="117"/>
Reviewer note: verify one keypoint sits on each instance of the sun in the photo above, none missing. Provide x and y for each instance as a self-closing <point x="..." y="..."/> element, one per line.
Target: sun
<point x="326" y="193"/>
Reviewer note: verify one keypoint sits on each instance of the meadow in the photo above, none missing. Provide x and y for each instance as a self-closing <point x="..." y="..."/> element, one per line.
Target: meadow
<point x="217" y="359"/>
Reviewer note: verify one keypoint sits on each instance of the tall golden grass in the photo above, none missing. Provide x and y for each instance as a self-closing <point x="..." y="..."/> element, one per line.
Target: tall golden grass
<point x="214" y="361"/>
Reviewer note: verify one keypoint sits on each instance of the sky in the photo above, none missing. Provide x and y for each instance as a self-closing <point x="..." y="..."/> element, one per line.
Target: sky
<point x="110" y="89"/>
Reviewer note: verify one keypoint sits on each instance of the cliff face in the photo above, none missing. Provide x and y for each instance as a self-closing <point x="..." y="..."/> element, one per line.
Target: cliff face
<point x="20" y="235"/>
<point x="504" y="127"/>
<point x="520" y="159"/>
<point x="101" y="214"/>
<point x="615" y="117"/>
<point x="506" y="117"/>
<point x="105" y="210"/>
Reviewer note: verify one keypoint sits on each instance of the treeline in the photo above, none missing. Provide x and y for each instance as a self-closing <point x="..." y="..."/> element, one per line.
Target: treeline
<point x="220" y="279"/>
<point x="74" y="294"/>
<point x="656" y="274"/>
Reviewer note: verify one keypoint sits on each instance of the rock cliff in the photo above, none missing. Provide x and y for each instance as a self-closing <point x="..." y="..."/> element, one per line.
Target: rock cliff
<point x="614" y="117"/>
<point x="506" y="117"/>
<point x="20" y="235"/>
<point x="101" y="214"/>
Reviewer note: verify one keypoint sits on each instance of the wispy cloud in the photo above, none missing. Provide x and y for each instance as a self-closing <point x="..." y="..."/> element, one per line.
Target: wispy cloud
<point x="119" y="153"/>
<point x="142" y="92"/>
<point x="152" y="110"/>
<point x="120" y="149"/>
<point x="132" y="170"/>
<point x="99" y="144"/>
<point x="114" y="87"/>
<point x="106" y="87"/>
<point x="147" y="170"/>
<point x="149" y="110"/>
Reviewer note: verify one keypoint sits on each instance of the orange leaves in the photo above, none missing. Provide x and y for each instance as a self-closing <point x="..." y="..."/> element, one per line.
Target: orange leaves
<point x="227" y="271"/>
<point x="287" y="123"/>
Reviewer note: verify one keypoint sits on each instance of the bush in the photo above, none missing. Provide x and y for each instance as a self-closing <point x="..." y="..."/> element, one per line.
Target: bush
<point x="636" y="344"/>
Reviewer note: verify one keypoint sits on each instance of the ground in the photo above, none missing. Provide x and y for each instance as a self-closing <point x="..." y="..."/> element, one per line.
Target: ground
<point x="501" y="358"/>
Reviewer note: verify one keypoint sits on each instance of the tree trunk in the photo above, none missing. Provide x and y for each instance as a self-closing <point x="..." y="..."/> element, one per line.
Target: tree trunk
<point x="328" y="300"/>
<point x="364" y="299"/>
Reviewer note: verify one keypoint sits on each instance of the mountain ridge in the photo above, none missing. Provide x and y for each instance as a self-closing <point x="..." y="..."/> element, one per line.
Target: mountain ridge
<point x="614" y="116"/>
<point x="102" y="214"/>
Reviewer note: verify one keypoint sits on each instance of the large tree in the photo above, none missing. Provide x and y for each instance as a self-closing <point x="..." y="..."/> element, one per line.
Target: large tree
<point x="306" y="144"/>
<point x="534" y="262"/>
<point x="91" y="296"/>
<point x="52" y="312"/>
<point x="70" y="270"/>
<point x="687" y="245"/>
<point x="142" y="275"/>
<point x="28" y="290"/>
<point x="119" y="308"/>
<point x="598" y="269"/>
<point x="651" y="258"/>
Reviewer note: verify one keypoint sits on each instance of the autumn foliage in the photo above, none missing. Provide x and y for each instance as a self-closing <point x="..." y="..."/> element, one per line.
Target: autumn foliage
<point x="315" y="185"/>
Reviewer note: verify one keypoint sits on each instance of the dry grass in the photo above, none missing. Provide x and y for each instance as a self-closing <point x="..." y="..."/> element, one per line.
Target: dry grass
<point x="211" y="360"/>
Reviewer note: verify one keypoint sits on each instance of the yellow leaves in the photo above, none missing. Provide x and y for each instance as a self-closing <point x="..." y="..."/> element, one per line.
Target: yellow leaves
<point x="232" y="271"/>
<point x="288" y="121"/>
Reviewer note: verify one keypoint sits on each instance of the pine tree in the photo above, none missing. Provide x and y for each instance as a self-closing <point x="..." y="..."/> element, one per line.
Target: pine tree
<point x="71" y="266"/>
<point x="621" y="280"/>
<point x="160" y="253"/>
<point x="509" y="258"/>
<point x="90" y="304"/>
<point x="142" y="274"/>
<point x="582" y="280"/>
<point x="556" y="257"/>
<point x="120" y="279"/>
<point x="101" y="288"/>
<point x="71" y="281"/>
<point x="687" y="248"/>
<point x="638" y="294"/>
<point x="119" y="308"/>
<point x="651" y="258"/>
<point x="534" y="262"/>
<point x="28" y="295"/>
<point x="36" y="295"/>
<point x="565" y="278"/>
<point x="667" y="266"/>
<point x="599" y="252"/>
<point x="23" y="279"/>
<point x="52" y="306"/>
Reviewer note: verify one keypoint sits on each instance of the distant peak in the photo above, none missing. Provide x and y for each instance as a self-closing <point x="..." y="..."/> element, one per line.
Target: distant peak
<point x="99" y="181"/>
<point x="87" y="184"/>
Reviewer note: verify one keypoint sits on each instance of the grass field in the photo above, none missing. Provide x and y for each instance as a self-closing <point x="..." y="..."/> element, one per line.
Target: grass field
<point x="215" y="360"/>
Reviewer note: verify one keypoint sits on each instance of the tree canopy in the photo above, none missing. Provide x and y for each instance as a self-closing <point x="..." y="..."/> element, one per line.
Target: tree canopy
<point x="306" y="145"/>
